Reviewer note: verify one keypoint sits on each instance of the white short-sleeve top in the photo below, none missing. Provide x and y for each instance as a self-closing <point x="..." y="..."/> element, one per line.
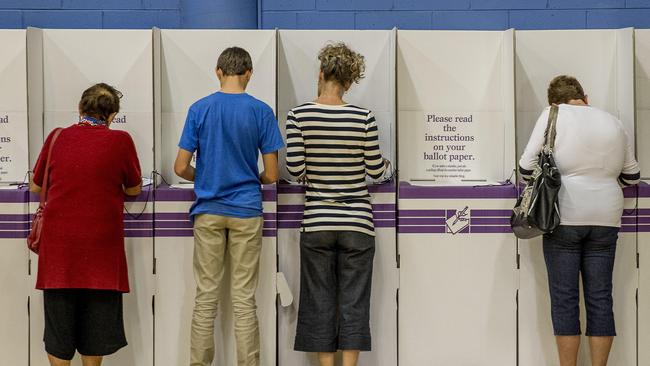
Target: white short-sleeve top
<point x="595" y="157"/>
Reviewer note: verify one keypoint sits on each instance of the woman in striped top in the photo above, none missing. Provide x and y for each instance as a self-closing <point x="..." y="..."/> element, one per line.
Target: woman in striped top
<point x="332" y="146"/>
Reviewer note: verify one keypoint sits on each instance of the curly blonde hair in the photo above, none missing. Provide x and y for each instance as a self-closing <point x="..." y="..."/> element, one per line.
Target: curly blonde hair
<point x="338" y="62"/>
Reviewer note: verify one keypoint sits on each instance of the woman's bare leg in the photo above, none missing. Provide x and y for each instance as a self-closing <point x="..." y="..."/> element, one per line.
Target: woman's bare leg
<point x="350" y="358"/>
<point x="326" y="358"/>
<point x="599" y="348"/>
<point x="91" y="360"/>
<point x="567" y="348"/>
<point x="57" y="361"/>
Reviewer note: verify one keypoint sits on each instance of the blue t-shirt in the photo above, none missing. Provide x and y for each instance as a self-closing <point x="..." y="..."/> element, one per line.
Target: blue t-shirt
<point x="227" y="131"/>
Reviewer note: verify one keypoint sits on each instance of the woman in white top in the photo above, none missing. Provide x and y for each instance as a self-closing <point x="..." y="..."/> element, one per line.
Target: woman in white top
<point x="596" y="158"/>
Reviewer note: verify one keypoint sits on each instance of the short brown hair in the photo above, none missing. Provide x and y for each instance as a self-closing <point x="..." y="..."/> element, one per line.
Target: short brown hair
<point x="338" y="62"/>
<point x="234" y="61"/>
<point x="100" y="101"/>
<point x="564" y="88"/>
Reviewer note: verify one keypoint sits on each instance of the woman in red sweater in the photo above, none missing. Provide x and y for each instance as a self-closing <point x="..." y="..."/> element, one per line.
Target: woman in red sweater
<point x="82" y="266"/>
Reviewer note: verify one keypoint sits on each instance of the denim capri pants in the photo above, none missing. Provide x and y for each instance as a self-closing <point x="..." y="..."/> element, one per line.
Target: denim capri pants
<point x="588" y="250"/>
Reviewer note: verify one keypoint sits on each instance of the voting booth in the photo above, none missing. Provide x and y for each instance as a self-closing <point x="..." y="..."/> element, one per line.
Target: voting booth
<point x="298" y="71"/>
<point x="457" y="298"/>
<point x="71" y="61"/>
<point x="642" y="73"/>
<point x="14" y="219"/>
<point x="603" y="62"/>
<point x="187" y="62"/>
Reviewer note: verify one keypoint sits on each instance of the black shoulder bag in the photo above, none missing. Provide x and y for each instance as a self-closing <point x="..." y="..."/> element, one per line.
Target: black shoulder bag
<point x="537" y="211"/>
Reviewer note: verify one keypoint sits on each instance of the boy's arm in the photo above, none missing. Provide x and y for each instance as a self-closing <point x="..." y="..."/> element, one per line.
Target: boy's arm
<point x="182" y="166"/>
<point x="271" y="172"/>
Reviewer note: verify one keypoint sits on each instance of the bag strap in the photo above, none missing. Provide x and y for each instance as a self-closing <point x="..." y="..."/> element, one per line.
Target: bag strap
<point x="46" y="176"/>
<point x="550" y="134"/>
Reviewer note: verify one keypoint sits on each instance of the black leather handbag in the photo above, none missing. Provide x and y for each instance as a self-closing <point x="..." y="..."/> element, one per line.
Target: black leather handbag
<point x="537" y="211"/>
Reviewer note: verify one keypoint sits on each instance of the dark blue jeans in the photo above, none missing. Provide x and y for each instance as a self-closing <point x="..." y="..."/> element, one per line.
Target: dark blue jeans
<point x="335" y="281"/>
<point x="570" y="251"/>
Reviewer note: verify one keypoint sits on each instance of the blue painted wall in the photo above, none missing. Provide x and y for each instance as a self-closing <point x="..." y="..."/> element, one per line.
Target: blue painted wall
<point x="326" y="14"/>
<point x="455" y="14"/>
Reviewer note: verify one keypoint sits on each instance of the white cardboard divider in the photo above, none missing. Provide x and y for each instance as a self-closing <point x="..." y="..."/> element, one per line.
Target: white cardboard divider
<point x="14" y="155"/>
<point x="456" y="106"/>
<point x="188" y="62"/>
<point x="642" y="72"/>
<point x="457" y="295"/>
<point x="14" y="267"/>
<point x="298" y="76"/>
<point x="73" y="60"/>
<point x="602" y="60"/>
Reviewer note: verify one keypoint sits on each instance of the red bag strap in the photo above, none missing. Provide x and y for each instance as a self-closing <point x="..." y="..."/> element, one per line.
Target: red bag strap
<point x="46" y="176"/>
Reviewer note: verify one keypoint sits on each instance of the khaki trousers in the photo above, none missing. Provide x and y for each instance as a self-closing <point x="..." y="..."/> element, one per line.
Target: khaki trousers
<point x="241" y="239"/>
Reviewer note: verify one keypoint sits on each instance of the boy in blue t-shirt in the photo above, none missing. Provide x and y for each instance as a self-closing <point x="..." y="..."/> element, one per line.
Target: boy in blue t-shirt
<point x="227" y="130"/>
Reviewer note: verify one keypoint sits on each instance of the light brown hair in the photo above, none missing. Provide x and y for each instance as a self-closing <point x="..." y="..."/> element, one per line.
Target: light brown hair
<point x="564" y="88"/>
<point x="100" y="101"/>
<point x="234" y="61"/>
<point x="339" y="63"/>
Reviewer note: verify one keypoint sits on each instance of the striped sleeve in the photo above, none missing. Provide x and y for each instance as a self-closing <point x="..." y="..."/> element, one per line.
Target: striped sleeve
<point x="631" y="173"/>
<point x="295" y="147"/>
<point x="375" y="166"/>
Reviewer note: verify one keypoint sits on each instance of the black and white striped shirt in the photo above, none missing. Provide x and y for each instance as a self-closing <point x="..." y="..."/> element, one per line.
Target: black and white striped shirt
<point x="336" y="146"/>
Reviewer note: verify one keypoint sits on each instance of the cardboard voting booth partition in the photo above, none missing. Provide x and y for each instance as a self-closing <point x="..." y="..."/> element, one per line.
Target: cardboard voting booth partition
<point x="14" y="155"/>
<point x="187" y="73"/>
<point x="176" y="287"/>
<point x="457" y="298"/>
<point x="602" y="60"/>
<point x="298" y="71"/>
<point x="14" y="276"/>
<point x="188" y="61"/>
<point x="71" y="61"/>
<point x="642" y="73"/>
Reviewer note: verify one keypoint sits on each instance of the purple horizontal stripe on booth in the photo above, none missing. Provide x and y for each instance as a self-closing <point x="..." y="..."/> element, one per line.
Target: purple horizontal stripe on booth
<point x="133" y="233"/>
<point x="490" y="229"/>
<point x="631" y="192"/>
<point x="644" y="228"/>
<point x="430" y="229"/>
<point x="490" y="221"/>
<point x="14" y="225"/>
<point x="290" y="208"/>
<point x="409" y="191"/>
<point x="14" y="234"/>
<point x="269" y="233"/>
<point x="422" y="213"/>
<point x="491" y="213"/>
<point x="269" y="225"/>
<point x="167" y="193"/>
<point x="15" y="217"/>
<point x="289" y="224"/>
<point x="384" y="223"/>
<point x="384" y="207"/>
<point x="14" y="195"/>
<point x="629" y="229"/>
<point x="174" y="233"/>
<point x="644" y="189"/>
<point x="138" y="224"/>
<point x="180" y="216"/>
<point x="173" y="225"/>
<point x="384" y="215"/>
<point x="290" y="216"/>
<point x="422" y="221"/>
<point x="643" y="212"/>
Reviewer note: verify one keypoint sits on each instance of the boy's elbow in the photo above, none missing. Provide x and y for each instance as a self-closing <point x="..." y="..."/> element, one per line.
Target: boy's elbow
<point x="179" y="169"/>
<point x="133" y="191"/>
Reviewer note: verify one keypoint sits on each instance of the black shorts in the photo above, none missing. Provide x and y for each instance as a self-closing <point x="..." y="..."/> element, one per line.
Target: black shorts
<point x="88" y="321"/>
